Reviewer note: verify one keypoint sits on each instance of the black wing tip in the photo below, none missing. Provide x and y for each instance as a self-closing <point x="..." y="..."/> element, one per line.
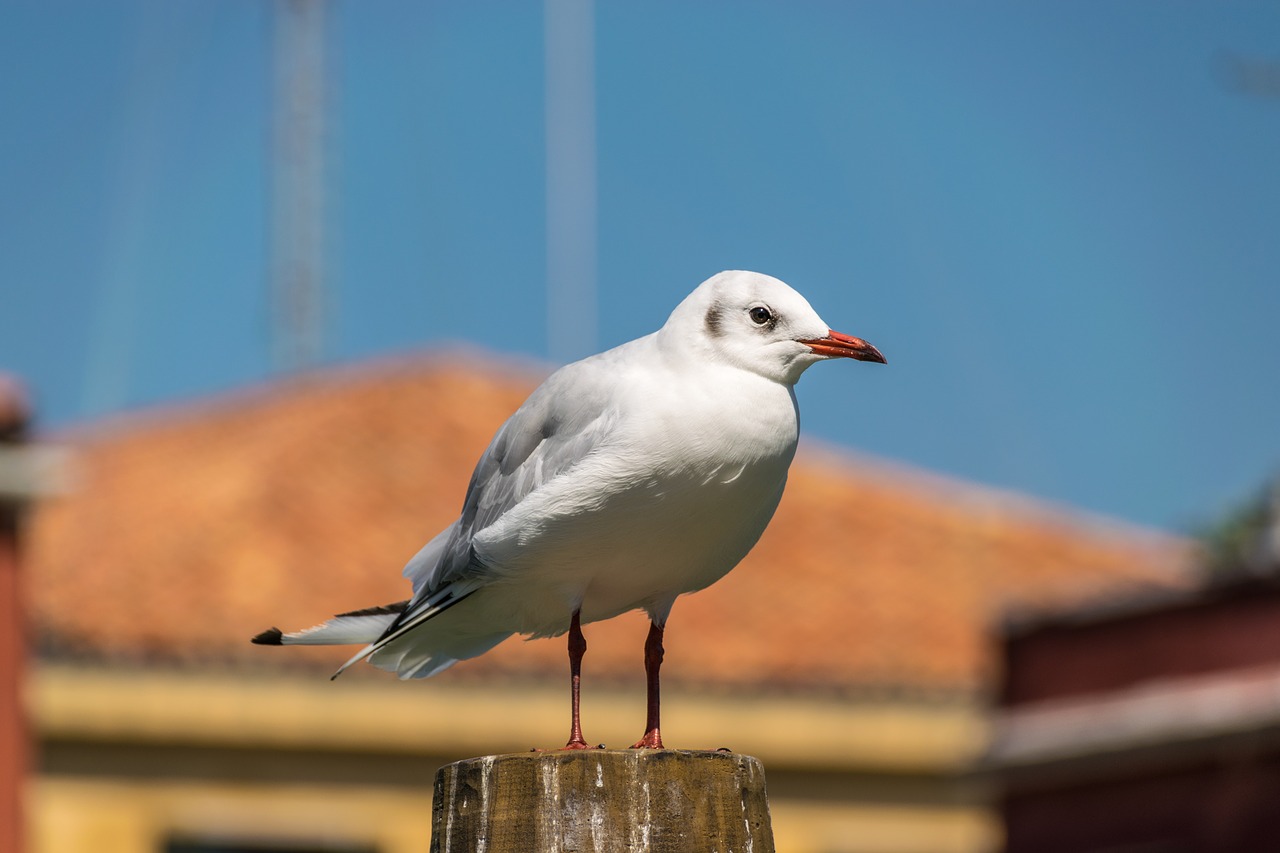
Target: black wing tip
<point x="269" y="637"/>
<point x="381" y="610"/>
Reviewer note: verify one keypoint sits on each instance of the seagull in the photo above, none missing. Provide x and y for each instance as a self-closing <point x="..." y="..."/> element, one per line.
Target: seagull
<point x="626" y="480"/>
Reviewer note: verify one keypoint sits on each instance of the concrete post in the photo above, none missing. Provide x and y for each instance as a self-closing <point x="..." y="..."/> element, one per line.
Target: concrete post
<point x="642" y="801"/>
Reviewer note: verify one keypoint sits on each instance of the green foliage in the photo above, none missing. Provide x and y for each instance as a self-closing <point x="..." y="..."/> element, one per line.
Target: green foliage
<point x="1238" y="541"/>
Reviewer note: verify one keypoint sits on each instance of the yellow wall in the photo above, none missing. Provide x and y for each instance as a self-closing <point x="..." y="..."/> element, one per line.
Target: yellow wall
<point x="836" y="767"/>
<point x="114" y="816"/>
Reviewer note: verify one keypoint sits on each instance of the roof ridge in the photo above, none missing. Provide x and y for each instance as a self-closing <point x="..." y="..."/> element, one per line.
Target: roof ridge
<point x="276" y="390"/>
<point x="910" y="478"/>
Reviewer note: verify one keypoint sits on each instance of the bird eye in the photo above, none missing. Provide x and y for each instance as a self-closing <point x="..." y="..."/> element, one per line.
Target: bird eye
<point x="760" y="315"/>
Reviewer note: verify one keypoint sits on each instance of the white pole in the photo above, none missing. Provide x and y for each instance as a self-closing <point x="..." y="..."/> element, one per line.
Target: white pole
<point x="298" y="202"/>
<point x="571" y="179"/>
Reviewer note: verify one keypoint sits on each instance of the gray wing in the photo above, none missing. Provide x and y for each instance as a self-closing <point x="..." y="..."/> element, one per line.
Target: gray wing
<point x="568" y="417"/>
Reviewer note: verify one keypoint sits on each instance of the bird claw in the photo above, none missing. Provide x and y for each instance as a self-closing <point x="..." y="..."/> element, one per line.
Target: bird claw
<point x="651" y="740"/>
<point x="580" y="744"/>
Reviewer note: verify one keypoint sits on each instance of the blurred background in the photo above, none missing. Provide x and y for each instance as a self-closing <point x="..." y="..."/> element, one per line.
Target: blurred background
<point x="271" y="274"/>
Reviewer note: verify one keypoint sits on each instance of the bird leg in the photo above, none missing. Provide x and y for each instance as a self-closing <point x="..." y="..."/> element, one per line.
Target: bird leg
<point x="577" y="648"/>
<point x="652" y="663"/>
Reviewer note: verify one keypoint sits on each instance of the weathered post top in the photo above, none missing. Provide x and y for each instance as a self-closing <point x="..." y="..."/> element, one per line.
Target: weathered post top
<point x="646" y="801"/>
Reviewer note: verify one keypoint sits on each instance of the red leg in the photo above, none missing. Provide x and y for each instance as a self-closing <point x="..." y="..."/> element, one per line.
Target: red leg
<point x="577" y="648"/>
<point x="652" y="663"/>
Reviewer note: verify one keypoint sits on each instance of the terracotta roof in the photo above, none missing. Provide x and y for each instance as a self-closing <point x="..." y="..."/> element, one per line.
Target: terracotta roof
<point x="194" y="528"/>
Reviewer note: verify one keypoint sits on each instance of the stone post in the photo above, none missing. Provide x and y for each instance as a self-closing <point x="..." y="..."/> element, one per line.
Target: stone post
<point x="640" y="801"/>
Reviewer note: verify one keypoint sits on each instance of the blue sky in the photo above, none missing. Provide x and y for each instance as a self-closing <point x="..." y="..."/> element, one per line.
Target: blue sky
<point x="1060" y="222"/>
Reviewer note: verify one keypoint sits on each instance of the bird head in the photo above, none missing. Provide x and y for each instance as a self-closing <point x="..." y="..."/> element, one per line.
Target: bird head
<point x="758" y="323"/>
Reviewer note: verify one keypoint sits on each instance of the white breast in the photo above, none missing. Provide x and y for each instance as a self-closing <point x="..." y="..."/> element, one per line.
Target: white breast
<point x="676" y="503"/>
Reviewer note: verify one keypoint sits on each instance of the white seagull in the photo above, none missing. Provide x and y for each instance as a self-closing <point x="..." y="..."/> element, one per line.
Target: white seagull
<point x="625" y="480"/>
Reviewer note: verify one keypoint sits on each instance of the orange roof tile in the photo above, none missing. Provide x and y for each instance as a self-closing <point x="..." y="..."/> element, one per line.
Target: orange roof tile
<point x="195" y="528"/>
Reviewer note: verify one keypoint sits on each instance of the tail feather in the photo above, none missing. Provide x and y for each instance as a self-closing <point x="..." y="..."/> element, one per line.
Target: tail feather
<point x="397" y="637"/>
<point x="408" y="657"/>
<point x="358" y="626"/>
<point x="416" y="614"/>
<point x="341" y="631"/>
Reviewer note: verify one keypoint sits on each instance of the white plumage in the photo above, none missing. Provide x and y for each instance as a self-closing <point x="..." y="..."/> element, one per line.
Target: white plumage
<point x="625" y="480"/>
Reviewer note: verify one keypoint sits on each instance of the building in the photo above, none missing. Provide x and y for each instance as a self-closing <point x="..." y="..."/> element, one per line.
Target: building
<point x="1150" y="721"/>
<point x="17" y="488"/>
<point x="850" y="651"/>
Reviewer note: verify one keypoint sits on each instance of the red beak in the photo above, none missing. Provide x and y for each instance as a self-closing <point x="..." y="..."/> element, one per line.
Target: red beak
<point x="836" y="345"/>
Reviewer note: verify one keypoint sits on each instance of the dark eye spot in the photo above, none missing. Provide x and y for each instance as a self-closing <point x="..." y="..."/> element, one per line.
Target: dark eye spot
<point x="714" y="322"/>
<point x="760" y="315"/>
